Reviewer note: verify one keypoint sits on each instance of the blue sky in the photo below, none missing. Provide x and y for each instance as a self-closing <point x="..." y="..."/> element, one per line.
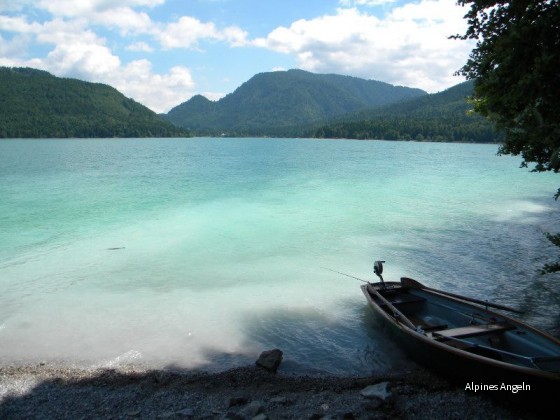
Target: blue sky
<point x="162" y="52"/>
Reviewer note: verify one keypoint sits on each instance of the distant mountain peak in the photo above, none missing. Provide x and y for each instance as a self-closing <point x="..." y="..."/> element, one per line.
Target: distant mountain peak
<point x="199" y="99"/>
<point x="271" y="102"/>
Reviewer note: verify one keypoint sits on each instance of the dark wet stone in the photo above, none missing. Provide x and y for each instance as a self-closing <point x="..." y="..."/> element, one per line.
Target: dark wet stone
<point x="270" y="360"/>
<point x="236" y="401"/>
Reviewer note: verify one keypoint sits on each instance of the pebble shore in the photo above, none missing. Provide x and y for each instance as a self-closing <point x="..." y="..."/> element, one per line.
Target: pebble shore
<point x="44" y="392"/>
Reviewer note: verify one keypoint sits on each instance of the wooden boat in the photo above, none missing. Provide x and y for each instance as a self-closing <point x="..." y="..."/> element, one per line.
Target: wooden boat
<point x="463" y="339"/>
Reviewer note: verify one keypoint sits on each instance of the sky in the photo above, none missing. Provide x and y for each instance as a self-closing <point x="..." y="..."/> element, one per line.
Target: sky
<point x="162" y="52"/>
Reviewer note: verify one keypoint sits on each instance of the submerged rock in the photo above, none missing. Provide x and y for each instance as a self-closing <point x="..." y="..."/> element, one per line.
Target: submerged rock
<point x="270" y="360"/>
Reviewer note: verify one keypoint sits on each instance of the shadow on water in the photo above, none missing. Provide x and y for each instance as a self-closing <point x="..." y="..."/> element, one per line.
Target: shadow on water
<point x="316" y="343"/>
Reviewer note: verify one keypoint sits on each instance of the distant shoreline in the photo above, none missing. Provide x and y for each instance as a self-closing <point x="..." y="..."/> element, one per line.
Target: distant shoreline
<point x="195" y="137"/>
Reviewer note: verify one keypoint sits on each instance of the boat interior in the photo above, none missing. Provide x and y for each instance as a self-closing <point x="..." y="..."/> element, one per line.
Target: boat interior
<point x="471" y="328"/>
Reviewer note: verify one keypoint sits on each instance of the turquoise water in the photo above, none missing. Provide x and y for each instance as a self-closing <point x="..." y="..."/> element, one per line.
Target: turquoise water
<point x="204" y="252"/>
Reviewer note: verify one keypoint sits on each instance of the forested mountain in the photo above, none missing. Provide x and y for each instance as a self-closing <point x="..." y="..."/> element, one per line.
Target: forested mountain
<point x="36" y="104"/>
<point x="273" y="103"/>
<point x="442" y="116"/>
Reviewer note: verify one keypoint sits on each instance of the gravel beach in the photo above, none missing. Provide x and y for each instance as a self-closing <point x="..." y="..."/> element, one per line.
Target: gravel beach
<point x="46" y="392"/>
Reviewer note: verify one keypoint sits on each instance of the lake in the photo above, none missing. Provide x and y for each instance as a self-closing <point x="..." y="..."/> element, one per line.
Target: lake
<point x="201" y="253"/>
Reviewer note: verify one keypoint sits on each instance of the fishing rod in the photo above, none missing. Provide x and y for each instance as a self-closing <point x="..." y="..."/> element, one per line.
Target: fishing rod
<point x="416" y="285"/>
<point x="347" y="275"/>
<point x="398" y="315"/>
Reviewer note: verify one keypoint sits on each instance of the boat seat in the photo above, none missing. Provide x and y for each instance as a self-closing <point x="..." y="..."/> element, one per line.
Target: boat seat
<point x="474" y="330"/>
<point x="419" y="322"/>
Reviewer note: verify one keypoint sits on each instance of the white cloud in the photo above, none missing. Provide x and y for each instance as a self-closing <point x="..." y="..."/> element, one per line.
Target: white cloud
<point x="87" y="8"/>
<point x="118" y="14"/>
<point x="353" y="3"/>
<point x="234" y="36"/>
<point x="185" y="33"/>
<point x="140" y="47"/>
<point x="188" y="31"/>
<point x="84" y="55"/>
<point x="18" y="25"/>
<point x="125" y="19"/>
<point x="213" y="96"/>
<point x="14" y="47"/>
<point x="160" y="92"/>
<point x="409" y="46"/>
<point x="14" y="5"/>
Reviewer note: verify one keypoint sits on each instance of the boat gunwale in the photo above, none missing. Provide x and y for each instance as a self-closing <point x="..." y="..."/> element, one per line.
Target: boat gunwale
<point x="454" y="350"/>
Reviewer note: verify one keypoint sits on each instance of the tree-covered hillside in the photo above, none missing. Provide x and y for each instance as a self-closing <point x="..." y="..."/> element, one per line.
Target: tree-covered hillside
<point x="36" y="104"/>
<point x="273" y="103"/>
<point x="444" y="116"/>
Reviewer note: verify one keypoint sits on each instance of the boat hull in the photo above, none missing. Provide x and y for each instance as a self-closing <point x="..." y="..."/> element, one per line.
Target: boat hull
<point x="475" y="372"/>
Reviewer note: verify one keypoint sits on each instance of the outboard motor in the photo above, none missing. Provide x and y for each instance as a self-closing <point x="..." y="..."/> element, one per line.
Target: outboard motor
<point x="378" y="270"/>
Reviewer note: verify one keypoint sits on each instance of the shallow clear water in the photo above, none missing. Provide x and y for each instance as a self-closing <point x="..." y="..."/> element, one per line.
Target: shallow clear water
<point x="204" y="252"/>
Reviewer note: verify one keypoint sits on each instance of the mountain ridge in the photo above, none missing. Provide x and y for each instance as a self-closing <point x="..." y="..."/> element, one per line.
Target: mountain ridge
<point x="442" y="116"/>
<point x="273" y="101"/>
<point x="36" y="104"/>
<point x="292" y="103"/>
